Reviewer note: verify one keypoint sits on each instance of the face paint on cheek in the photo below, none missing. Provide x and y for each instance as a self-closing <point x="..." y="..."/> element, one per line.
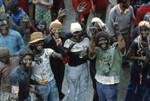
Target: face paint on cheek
<point x="27" y="61"/>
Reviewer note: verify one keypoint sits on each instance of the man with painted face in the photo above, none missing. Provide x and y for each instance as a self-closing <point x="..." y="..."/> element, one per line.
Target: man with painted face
<point x="96" y="26"/>
<point x="58" y="69"/>
<point x="123" y="15"/>
<point x="139" y="68"/>
<point x="41" y="67"/>
<point x="17" y="22"/>
<point x="108" y="64"/>
<point x="7" y="64"/>
<point x="21" y="75"/>
<point x="77" y="71"/>
<point x="10" y="38"/>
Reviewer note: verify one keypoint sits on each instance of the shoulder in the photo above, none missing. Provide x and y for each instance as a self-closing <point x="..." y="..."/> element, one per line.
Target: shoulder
<point x="114" y="8"/>
<point x="67" y="43"/>
<point x="14" y="33"/>
<point x="48" y="51"/>
<point x="14" y="73"/>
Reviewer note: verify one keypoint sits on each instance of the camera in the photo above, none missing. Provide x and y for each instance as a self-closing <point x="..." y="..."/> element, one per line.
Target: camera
<point x="116" y="25"/>
<point x="93" y="29"/>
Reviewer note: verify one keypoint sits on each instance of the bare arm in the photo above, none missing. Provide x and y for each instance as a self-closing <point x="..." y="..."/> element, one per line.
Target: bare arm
<point x="121" y="41"/>
<point x="15" y="91"/>
<point x="5" y="2"/>
<point x="131" y="57"/>
<point x="92" y="47"/>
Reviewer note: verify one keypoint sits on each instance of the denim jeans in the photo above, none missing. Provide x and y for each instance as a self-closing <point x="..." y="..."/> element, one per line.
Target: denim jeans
<point x="77" y="78"/>
<point x="50" y="91"/>
<point x="134" y="90"/>
<point x="107" y="92"/>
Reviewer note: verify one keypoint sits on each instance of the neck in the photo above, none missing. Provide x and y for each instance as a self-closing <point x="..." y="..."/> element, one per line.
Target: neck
<point x="122" y="8"/>
<point x="38" y="53"/>
<point x="23" y="67"/>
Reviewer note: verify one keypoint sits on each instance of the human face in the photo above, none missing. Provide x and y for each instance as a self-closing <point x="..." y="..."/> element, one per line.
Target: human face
<point x="38" y="45"/>
<point x="41" y="26"/>
<point x="77" y="35"/>
<point x="103" y="43"/>
<point x="4" y="27"/>
<point x="56" y="32"/>
<point x="144" y="34"/>
<point x="126" y="5"/>
<point x="27" y="61"/>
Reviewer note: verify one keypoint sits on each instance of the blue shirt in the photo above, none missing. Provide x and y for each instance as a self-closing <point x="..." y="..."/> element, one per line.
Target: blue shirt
<point x="21" y="78"/>
<point x="14" y="42"/>
<point x="16" y="19"/>
<point x="1" y="3"/>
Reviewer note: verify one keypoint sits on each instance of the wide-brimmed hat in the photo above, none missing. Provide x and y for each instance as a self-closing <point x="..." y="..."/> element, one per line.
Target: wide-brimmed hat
<point x="36" y="36"/>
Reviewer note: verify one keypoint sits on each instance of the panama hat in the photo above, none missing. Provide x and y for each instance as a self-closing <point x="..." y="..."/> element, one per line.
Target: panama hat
<point x="36" y="36"/>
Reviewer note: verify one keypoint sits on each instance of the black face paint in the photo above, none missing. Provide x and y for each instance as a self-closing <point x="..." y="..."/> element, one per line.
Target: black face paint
<point x="94" y="28"/>
<point x="27" y="61"/>
<point x="56" y="30"/>
<point x="102" y="41"/>
<point x="77" y="35"/>
<point x="41" y="27"/>
<point x="4" y="26"/>
<point x="38" y="46"/>
<point x="5" y="60"/>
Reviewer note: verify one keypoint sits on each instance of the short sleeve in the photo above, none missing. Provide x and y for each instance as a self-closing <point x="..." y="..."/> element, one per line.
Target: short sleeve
<point x="49" y="51"/>
<point x="67" y="43"/>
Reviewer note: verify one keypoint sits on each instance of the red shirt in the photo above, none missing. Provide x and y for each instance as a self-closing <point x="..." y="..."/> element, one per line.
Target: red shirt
<point x="140" y="13"/>
<point x="100" y="5"/>
<point x="75" y="4"/>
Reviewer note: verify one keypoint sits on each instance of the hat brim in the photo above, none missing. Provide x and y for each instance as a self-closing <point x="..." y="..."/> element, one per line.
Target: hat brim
<point x="36" y="40"/>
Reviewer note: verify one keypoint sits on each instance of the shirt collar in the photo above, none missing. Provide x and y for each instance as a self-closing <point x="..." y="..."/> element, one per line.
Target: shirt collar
<point x="126" y="10"/>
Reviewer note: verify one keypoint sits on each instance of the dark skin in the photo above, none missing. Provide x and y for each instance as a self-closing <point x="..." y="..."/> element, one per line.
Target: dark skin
<point x="131" y="51"/>
<point x="54" y="55"/>
<point x="120" y="40"/>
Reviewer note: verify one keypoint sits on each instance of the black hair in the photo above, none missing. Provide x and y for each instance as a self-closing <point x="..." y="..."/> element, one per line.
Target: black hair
<point x="144" y="28"/>
<point x="24" y="52"/>
<point x="122" y="1"/>
<point x="40" y="21"/>
<point x="13" y="4"/>
<point x="102" y="34"/>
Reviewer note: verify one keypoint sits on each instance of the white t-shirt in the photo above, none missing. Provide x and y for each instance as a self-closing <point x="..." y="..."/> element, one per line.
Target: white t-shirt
<point x="43" y="70"/>
<point x="79" y="46"/>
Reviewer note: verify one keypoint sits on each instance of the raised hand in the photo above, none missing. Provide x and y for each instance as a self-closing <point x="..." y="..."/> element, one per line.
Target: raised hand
<point x="62" y="12"/>
<point x="81" y="7"/>
<point x="58" y="41"/>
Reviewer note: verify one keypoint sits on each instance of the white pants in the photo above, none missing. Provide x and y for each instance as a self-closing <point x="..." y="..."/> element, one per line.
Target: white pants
<point x="77" y="78"/>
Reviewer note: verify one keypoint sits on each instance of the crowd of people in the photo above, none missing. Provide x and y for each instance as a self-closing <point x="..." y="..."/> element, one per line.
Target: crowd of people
<point x="34" y="55"/>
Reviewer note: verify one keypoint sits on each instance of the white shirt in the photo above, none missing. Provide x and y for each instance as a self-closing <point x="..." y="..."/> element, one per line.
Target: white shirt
<point x="43" y="70"/>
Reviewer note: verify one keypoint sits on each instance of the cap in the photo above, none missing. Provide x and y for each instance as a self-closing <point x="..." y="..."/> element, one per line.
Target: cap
<point x="75" y="27"/>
